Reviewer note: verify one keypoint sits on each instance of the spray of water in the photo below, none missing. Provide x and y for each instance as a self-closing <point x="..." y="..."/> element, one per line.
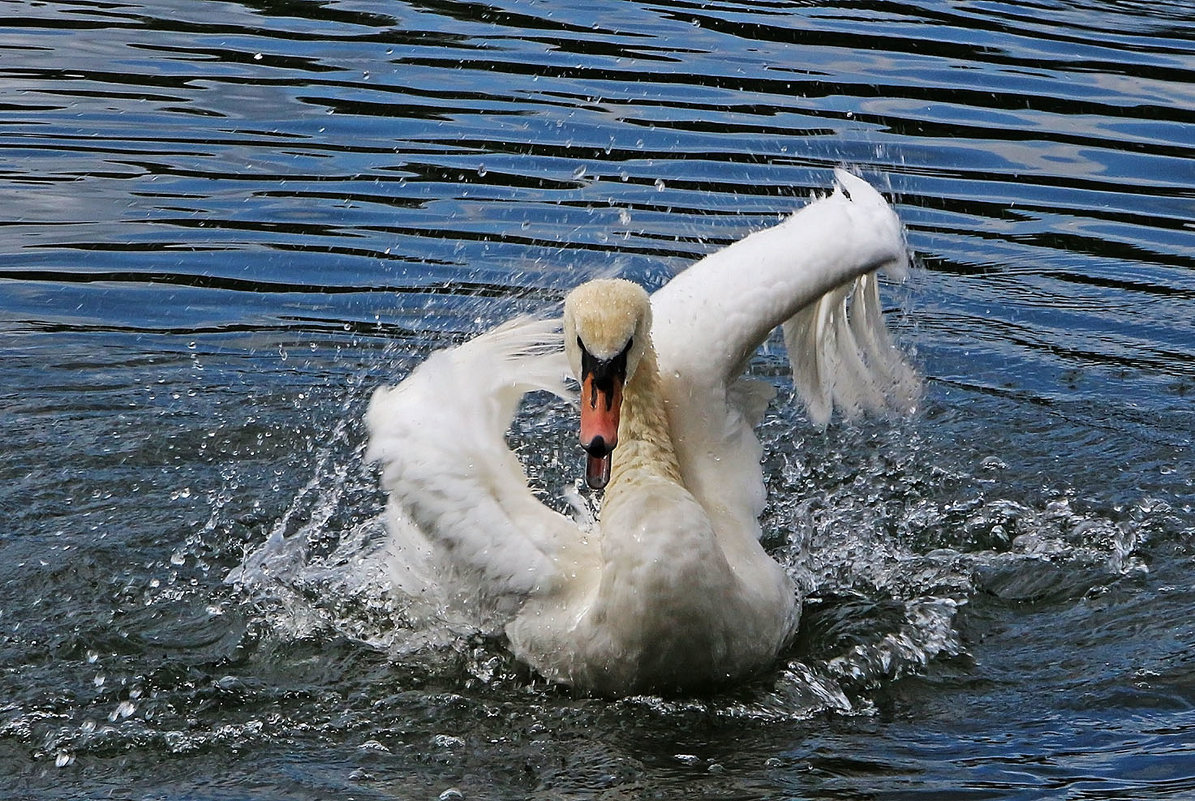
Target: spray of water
<point x="887" y="545"/>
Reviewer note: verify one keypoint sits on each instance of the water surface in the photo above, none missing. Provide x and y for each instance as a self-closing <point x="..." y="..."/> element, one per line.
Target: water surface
<point x="226" y="223"/>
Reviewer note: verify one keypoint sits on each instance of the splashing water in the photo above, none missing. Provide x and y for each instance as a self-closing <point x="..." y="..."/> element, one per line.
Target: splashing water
<point x="888" y="547"/>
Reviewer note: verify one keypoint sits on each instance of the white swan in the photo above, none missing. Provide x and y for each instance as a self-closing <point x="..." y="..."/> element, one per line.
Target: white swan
<point x="671" y="590"/>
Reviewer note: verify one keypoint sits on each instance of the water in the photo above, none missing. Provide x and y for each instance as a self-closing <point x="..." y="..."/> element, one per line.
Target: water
<point x="224" y="224"/>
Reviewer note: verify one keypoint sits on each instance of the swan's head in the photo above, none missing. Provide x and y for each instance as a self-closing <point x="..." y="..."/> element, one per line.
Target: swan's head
<point x="606" y="331"/>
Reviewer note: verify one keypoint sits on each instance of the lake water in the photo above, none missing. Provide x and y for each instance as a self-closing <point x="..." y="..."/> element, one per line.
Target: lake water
<point x="225" y="223"/>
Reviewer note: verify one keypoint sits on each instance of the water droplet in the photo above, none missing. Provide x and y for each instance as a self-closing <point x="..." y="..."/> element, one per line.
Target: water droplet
<point x="63" y="759"/>
<point x="481" y="170"/>
<point x="451" y="794"/>
<point x="257" y="56"/>
<point x="123" y="710"/>
<point x="660" y="185"/>
<point x="579" y="173"/>
<point x="227" y="683"/>
<point x="373" y="745"/>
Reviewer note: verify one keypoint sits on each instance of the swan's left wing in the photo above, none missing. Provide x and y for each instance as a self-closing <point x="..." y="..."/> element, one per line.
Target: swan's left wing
<point x="815" y="275"/>
<point x="710" y="319"/>
<point x="440" y="438"/>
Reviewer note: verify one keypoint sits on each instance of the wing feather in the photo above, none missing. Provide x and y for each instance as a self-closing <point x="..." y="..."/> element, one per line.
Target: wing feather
<point x="440" y="437"/>
<point x="815" y="275"/>
<point x="843" y="358"/>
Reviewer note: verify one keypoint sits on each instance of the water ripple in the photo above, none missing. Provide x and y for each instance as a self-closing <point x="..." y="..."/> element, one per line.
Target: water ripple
<point x="225" y="221"/>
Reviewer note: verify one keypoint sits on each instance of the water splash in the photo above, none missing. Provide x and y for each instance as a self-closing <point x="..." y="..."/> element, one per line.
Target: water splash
<point x="888" y="546"/>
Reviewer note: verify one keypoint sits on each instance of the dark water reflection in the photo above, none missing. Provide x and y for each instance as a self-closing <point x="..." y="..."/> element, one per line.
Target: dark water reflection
<point x="224" y="223"/>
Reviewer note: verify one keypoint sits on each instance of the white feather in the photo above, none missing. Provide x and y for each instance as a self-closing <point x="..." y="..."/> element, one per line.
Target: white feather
<point x="711" y="319"/>
<point x="671" y="588"/>
<point x="440" y="436"/>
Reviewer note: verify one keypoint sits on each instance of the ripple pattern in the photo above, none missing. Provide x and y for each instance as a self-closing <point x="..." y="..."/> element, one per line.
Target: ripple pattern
<point x="225" y="222"/>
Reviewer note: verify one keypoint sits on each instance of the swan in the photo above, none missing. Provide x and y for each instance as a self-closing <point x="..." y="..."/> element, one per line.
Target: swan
<point x="669" y="590"/>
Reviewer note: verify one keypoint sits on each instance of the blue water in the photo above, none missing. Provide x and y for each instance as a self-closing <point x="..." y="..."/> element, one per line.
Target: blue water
<point x="225" y="223"/>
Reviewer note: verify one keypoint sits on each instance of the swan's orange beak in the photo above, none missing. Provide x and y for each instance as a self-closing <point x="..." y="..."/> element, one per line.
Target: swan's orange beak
<point x="600" y="407"/>
<point x="601" y="403"/>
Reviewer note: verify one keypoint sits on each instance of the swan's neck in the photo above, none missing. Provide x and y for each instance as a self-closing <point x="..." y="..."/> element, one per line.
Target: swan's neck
<point x="645" y="448"/>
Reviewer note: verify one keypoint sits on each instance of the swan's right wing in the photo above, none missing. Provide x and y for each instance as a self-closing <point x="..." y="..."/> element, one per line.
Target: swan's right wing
<point x="456" y="490"/>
